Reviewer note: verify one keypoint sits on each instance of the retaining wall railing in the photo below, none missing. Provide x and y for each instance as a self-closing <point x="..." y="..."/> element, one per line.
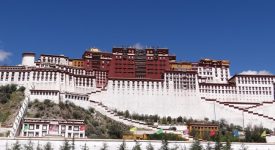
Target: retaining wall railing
<point x="20" y="115"/>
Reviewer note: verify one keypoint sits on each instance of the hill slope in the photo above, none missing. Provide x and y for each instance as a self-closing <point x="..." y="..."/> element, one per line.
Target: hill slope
<point x="10" y="103"/>
<point x="98" y="126"/>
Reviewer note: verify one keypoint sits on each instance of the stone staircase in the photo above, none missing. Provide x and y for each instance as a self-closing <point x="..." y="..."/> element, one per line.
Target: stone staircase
<point x="105" y="110"/>
<point x="244" y="109"/>
<point x="19" y="117"/>
<point x="260" y="104"/>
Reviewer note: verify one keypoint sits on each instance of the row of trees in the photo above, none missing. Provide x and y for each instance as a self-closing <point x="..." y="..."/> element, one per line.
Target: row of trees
<point x="67" y="146"/>
<point x="252" y="134"/>
<point x="196" y="145"/>
<point x="162" y="120"/>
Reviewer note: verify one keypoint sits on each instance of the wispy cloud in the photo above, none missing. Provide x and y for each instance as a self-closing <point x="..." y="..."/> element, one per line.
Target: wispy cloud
<point x="253" y="72"/>
<point x="138" y="46"/>
<point x="4" y="55"/>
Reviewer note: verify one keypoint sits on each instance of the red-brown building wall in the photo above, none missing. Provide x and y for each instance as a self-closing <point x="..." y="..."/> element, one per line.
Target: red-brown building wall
<point x="129" y="62"/>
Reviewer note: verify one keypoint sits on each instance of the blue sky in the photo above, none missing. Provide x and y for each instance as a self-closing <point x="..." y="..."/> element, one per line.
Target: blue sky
<point x="240" y="31"/>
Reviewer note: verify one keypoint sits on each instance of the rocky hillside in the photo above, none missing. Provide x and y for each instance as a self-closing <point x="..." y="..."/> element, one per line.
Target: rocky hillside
<point x="98" y="126"/>
<point x="11" y="97"/>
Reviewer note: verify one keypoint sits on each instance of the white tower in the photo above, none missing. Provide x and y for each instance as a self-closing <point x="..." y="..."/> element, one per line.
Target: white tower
<point x="28" y="59"/>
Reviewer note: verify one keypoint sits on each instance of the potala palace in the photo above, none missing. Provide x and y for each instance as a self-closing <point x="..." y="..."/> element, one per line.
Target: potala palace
<point x="147" y="81"/>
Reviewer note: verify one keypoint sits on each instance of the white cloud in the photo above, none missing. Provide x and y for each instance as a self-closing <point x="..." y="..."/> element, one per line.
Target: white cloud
<point x="138" y="46"/>
<point x="4" y="55"/>
<point x="253" y="72"/>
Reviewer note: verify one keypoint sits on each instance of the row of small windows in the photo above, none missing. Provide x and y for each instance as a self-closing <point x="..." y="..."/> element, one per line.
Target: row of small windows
<point x="255" y="92"/>
<point x="51" y="93"/>
<point x="53" y="59"/>
<point x="217" y="87"/>
<point x="255" y="80"/>
<point x="254" y="88"/>
<point x="45" y="76"/>
<point x="218" y="91"/>
<point x="138" y="84"/>
<point x="77" y="97"/>
<point x="177" y="75"/>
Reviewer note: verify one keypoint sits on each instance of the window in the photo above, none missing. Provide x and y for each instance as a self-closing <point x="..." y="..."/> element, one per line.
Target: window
<point x="63" y="127"/>
<point x="37" y="126"/>
<point x="31" y="127"/>
<point x="44" y="133"/>
<point x="76" y="135"/>
<point x="36" y="133"/>
<point x="30" y="134"/>
<point x="44" y="127"/>
<point x="70" y="128"/>
<point x="76" y="128"/>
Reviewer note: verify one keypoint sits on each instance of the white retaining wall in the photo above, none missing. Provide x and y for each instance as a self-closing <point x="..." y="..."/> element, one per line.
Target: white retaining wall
<point x="114" y="144"/>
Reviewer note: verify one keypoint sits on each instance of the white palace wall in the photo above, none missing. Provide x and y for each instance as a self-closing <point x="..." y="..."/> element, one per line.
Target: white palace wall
<point x="178" y="94"/>
<point x="165" y="101"/>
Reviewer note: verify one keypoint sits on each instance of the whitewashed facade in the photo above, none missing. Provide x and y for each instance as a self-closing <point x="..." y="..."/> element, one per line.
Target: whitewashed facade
<point x="208" y="92"/>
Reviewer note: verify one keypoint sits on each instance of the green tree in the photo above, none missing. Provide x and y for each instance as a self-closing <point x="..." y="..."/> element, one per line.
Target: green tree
<point x="137" y="146"/>
<point x="164" y="145"/>
<point x="149" y="147"/>
<point x="28" y="146"/>
<point x="127" y="114"/>
<point x="163" y="120"/>
<point x="179" y="119"/>
<point x="16" y="146"/>
<point x="66" y="146"/>
<point x="104" y="146"/>
<point x="48" y="146"/>
<point x="227" y="145"/>
<point x="85" y="147"/>
<point x="73" y="145"/>
<point x="38" y="147"/>
<point x="122" y="146"/>
<point x="21" y="88"/>
<point x="218" y="145"/>
<point x="115" y="131"/>
<point x="169" y="120"/>
<point x="196" y="145"/>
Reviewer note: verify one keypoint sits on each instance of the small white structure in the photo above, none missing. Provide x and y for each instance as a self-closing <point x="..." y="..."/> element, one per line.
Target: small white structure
<point x="28" y="59"/>
<point x="36" y="127"/>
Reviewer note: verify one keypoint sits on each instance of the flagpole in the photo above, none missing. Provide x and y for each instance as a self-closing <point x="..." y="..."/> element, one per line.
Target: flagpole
<point x="243" y="120"/>
<point x="214" y="110"/>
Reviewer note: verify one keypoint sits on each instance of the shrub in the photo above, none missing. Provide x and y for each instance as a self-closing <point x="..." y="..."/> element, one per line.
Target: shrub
<point x="48" y="146"/>
<point x="66" y="146"/>
<point x="91" y="110"/>
<point x="16" y="146"/>
<point x="122" y="146"/>
<point x="137" y="146"/>
<point x="22" y="89"/>
<point x="149" y="147"/>
<point x="196" y="146"/>
<point x="164" y="145"/>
